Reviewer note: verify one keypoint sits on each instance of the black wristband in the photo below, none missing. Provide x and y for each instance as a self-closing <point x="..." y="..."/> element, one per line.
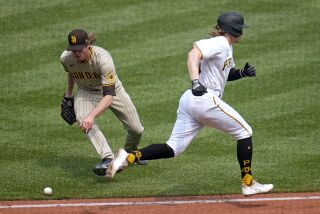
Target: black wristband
<point x="234" y="74"/>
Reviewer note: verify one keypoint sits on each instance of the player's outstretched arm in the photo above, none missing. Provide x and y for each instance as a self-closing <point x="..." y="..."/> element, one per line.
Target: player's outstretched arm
<point x="247" y="71"/>
<point x="87" y="123"/>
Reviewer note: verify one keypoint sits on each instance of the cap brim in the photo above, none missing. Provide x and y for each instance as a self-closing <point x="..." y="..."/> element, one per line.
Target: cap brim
<point x="75" y="47"/>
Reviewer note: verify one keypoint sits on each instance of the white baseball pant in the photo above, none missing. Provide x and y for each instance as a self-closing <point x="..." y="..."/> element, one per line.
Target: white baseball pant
<point x="195" y="112"/>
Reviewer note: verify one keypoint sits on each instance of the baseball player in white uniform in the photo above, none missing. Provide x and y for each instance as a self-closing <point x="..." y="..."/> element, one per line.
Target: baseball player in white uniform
<point x="210" y="65"/>
<point x="92" y="69"/>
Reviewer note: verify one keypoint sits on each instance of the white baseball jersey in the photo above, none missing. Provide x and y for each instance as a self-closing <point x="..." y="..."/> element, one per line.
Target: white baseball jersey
<point x="195" y="112"/>
<point x="217" y="60"/>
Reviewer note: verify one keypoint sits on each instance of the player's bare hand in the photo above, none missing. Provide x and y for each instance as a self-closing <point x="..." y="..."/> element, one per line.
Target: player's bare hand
<point x="248" y="71"/>
<point x="86" y="124"/>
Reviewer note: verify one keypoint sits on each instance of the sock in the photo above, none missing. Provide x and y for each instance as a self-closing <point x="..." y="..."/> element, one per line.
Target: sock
<point x="151" y="152"/>
<point x="244" y="154"/>
<point x="132" y="141"/>
<point x="247" y="179"/>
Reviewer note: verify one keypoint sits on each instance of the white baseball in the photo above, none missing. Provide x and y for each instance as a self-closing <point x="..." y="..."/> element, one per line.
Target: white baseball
<point x="47" y="191"/>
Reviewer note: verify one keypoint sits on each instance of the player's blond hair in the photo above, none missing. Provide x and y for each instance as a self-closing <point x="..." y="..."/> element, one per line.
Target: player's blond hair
<point x="217" y="31"/>
<point x="92" y="38"/>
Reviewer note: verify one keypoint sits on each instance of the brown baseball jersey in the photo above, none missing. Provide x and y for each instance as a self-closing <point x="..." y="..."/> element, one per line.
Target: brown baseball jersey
<point x="92" y="78"/>
<point x="96" y="72"/>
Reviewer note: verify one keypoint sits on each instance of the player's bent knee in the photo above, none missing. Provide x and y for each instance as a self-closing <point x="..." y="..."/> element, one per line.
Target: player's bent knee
<point x="172" y="154"/>
<point x="136" y="131"/>
<point x="249" y="131"/>
<point x="177" y="150"/>
<point x="140" y="130"/>
<point x="244" y="133"/>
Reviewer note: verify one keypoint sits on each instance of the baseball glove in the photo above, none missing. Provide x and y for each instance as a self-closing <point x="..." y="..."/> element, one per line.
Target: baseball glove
<point x="67" y="110"/>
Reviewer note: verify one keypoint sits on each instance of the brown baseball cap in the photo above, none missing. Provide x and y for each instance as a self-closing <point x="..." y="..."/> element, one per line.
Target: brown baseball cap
<point x="77" y="39"/>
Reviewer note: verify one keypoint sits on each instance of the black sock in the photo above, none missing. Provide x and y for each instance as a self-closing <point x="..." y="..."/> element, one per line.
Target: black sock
<point x="154" y="151"/>
<point x="244" y="154"/>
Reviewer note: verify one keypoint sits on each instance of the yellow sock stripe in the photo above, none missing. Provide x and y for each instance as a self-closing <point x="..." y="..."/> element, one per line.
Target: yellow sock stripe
<point x="231" y="116"/>
<point x="138" y="155"/>
<point x="131" y="158"/>
<point x="247" y="179"/>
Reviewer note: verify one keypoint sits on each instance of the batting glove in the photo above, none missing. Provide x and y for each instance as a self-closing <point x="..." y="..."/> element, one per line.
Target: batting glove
<point x="197" y="88"/>
<point x="248" y="71"/>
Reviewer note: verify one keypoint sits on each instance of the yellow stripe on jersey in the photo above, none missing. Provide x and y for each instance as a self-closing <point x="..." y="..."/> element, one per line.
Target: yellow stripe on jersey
<point x="108" y="84"/>
<point x="230" y="115"/>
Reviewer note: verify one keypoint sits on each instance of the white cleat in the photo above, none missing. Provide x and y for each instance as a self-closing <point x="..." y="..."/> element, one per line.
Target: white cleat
<point x="256" y="188"/>
<point x="119" y="162"/>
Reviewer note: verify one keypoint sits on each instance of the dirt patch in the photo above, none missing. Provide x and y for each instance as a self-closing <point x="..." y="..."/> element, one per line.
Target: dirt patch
<point x="292" y="203"/>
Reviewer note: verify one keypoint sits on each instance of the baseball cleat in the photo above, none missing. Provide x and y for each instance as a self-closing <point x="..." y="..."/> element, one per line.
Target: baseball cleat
<point x="141" y="162"/>
<point x="255" y="188"/>
<point x="118" y="163"/>
<point x="100" y="168"/>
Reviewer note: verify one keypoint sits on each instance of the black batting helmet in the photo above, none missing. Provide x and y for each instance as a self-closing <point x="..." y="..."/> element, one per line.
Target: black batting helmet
<point x="231" y="22"/>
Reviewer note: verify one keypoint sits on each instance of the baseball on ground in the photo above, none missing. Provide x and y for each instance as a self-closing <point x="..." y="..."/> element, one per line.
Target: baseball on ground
<point x="47" y="191"/>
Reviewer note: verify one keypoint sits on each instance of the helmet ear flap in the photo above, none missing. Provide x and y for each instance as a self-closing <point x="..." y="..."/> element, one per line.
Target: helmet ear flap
<point x="236" y="32"/>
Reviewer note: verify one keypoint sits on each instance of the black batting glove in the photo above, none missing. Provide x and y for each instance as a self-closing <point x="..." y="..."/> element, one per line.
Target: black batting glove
<point x="248" y="71"/>
<point x="197" y="88"/>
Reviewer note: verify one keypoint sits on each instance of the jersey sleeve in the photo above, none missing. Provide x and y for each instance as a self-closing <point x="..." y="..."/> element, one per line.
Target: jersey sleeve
<point x="108" y="73"/>
<point x="63" y="61"/>
<point x="233" y="65"/>
<point x="208" y="47"/>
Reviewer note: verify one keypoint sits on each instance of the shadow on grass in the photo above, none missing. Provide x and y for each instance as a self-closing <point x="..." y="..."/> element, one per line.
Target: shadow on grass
<point x="75" y="166"/>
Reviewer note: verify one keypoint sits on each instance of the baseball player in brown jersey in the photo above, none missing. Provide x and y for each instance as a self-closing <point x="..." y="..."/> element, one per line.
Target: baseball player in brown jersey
<point x="98" y="88"/>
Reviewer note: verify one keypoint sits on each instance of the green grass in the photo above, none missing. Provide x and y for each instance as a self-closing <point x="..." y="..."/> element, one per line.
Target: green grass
<point x="149" y="41"/>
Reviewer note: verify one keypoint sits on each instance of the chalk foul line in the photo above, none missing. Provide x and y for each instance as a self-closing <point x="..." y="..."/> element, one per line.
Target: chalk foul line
<point x="169" y="202"/>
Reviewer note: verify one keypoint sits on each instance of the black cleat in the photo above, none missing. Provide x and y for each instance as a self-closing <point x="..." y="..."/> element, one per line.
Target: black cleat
<point x="101" y="168"/>
<point x="141" y="162"/>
